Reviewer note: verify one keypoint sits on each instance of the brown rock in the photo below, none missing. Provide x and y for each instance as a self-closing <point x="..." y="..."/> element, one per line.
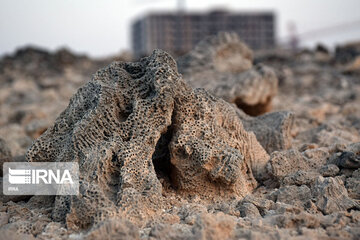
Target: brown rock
<point x="290" y="161"/>
<point x="331" y="195"/>
<point x="300" y="177"/>
<point x="294" y="195"/>
<point x="114" y="229"/>
<point x="135" y="122"/>
<point x="224" y="53"/>
<point x="352" y="185"/>
<point x="329" y="170"/>
<point x="4" y="218"/>
<point x="218" y="226"/>
<point x="5" y="155"/>
<point x="207" y="66"/>
<point x="249" y="210"/>
<point x="272" y="130"/>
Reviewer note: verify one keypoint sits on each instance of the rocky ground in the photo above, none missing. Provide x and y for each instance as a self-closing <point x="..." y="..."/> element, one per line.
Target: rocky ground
<point x="222" y="143"/>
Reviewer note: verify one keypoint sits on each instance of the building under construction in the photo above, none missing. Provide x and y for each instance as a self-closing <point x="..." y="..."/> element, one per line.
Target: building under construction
<point x="179" y="32"/>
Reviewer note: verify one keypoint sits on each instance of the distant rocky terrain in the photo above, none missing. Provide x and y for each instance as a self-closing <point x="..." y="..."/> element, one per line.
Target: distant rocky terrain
<point x="222" y="143"/>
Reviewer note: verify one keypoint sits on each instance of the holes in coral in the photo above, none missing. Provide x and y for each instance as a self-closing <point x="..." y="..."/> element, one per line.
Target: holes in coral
<point x="134" y="69"/>
<point x="161" y="160"/>
<point x="122" y="112"/>
<point x="112" y="176"/>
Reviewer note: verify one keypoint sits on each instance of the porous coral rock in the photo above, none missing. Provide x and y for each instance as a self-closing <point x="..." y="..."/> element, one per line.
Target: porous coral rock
<point x="323" y="97"/>
<point x="134" y="122"/>
<point x="222" y="64"/>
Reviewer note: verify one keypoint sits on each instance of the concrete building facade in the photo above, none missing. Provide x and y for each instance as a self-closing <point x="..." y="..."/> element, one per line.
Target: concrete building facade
<point x="179" y="32"/>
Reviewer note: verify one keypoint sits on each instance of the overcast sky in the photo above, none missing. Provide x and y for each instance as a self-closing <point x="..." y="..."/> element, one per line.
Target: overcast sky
<point x="102" y="27"/>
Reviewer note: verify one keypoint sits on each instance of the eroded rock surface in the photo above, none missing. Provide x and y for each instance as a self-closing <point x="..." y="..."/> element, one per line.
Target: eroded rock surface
<point x="331" y="195"/>
<point x="134" y="174"/>
<point x="223" y="65"/>
<point x="135" y="121"/>
<point x="5" y="154"/>
<point x="35" y="87"/>
<point x="272" y="130"/>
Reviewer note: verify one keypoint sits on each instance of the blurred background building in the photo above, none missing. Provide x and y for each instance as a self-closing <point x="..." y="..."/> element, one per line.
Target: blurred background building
<point x="107" y="27"/>
<point x="178" y="32"/>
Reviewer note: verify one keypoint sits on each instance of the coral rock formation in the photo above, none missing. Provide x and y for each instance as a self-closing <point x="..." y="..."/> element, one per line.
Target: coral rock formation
<point x="135" y="122"/>
<point x="159" y="160"/>
<point x="223" y="65"/>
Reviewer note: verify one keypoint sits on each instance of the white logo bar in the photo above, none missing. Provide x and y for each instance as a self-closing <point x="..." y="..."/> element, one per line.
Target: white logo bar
<point x="40" y="178"/>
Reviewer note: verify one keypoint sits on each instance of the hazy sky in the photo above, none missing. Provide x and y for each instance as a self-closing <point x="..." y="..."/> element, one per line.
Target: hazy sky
<point x="102" y="27"/>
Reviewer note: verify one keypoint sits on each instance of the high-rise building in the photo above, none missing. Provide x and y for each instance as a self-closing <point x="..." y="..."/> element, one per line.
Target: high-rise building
<point x="179" y="32"/>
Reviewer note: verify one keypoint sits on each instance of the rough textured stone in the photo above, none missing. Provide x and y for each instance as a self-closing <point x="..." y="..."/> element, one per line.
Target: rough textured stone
<point x="272" y="130"/>
<point x="5" y="155"/>
<point x="300" y="177"/>
<point x="249" y="210"/>
<point x="214" y="226"/>
<point x="206" y="226"/>
<point x="10" y="235"/>
<point x="329" y="170"/>
<point x="321" y="93"/>
<point x="35" y="87"/>
<point x="348" y="160"/>
<point x="166" y="231"/>
<point x="263" y="205"/>
<point x="250" y="88"/>
<point x="294" y="195"/>
<point x="331" y="195"/>
<point x="4" y="218"/>
<point x="134" y="122"/>
<point x="290" y="161"/>
<point x="114" y="229"/>
<point x="352" y="185"/>
<point x="53" y="230"/>
<point x="285" y="162"/>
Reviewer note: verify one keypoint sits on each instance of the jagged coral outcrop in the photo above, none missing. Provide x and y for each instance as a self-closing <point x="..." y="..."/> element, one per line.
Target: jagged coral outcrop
<point x="136" y="122"/>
